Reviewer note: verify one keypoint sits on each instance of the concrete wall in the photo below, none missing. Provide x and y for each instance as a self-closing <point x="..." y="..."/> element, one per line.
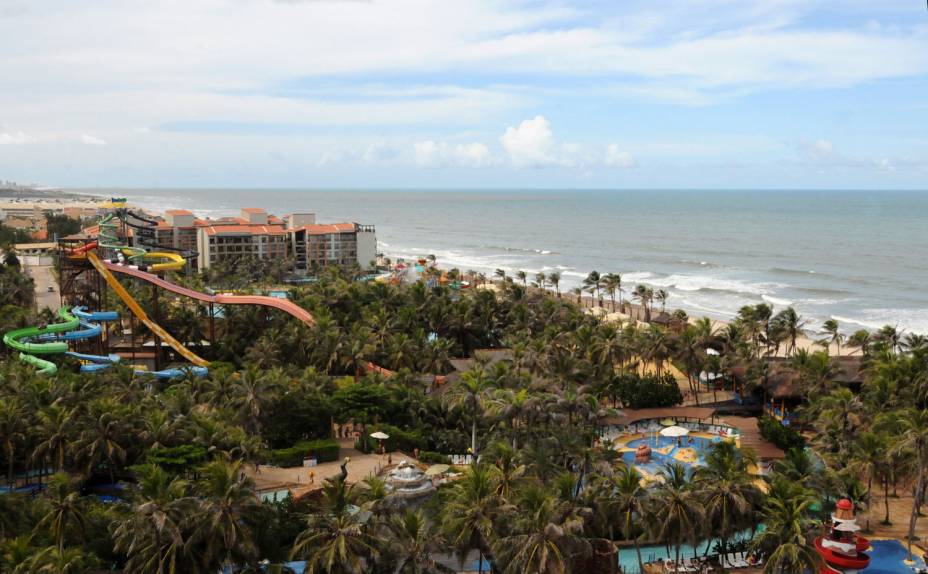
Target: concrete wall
<point x="367" y="248"/>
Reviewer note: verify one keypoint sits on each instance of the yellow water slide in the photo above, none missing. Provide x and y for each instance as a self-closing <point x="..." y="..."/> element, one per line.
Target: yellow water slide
<point x="141" y="314"/>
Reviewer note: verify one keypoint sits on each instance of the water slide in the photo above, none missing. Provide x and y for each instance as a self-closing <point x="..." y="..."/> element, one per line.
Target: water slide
<point x="53" y="339"/>
<point x="107" y="237"/>
<point x="18" y="339"/>
<point x="284" y="305"/>
<point x="104" y="270"/>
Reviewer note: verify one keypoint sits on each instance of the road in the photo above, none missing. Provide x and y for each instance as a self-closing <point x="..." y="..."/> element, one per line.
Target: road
<point x="43" y="277"/>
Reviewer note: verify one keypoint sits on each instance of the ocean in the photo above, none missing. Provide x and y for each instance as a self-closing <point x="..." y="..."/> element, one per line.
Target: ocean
<point x="860" y="257"/>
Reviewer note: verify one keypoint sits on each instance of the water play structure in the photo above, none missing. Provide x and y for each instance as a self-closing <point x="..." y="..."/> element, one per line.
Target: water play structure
<point x="110" y="253"/>
<point x="841" y="549"/>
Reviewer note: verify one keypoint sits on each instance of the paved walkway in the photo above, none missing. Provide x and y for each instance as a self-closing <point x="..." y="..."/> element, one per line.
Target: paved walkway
<point x="298" y="479"/>
<point x="44" y="278"/>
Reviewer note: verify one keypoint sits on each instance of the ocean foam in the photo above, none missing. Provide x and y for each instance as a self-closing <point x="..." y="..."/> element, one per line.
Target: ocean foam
<point x="908" y="320"/>
<point x="776" y="300"/>
<point x="707" y="282"/>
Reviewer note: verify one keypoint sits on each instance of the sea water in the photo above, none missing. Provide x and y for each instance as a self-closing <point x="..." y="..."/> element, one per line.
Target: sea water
<point x="856" y="256"/>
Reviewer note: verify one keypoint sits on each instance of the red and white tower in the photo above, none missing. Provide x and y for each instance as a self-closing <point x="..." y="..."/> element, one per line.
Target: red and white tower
<point x="841" y="549"/>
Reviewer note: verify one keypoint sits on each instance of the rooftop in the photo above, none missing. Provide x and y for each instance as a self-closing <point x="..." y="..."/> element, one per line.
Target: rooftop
<point x="178" y="212"/>
<point x="245" y="230"/>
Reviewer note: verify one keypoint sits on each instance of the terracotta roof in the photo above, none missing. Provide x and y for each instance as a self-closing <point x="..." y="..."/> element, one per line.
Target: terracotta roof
<point x="329" y="228"/>
<point x="40" y="235"/>
<point x="244" y="230"/>
<point x="750" y="438"/>
<point x="629" y="416"/>
<point x="178" y="212"/>
<point x="253" y="210"/>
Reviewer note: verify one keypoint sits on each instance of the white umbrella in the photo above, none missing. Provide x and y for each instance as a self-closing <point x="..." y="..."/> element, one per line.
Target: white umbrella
<point x="675" y="431"/>
<point x="380" y="435"/>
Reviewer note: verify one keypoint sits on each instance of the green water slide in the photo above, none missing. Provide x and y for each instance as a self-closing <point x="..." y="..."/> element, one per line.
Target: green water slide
<point x="107" y="237"/>
<point x="27" y="351"/>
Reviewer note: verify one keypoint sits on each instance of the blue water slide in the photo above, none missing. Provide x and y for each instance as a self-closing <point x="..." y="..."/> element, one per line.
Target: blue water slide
<point x="83" y="313"/>
<point x="97" y="362"/>
<point x="89" y="331"/>
<point x="176" y="372"/>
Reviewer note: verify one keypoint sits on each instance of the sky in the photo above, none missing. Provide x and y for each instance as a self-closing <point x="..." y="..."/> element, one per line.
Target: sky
<point x="781" y="94"/>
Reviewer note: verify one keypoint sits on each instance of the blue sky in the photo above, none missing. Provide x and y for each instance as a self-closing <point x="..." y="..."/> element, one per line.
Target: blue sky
<point x="418" y="93"/>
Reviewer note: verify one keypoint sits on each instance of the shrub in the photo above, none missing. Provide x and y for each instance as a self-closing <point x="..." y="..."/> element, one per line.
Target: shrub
<point x="433" y="457"/>
<point x="649" y="391"/>
<point x="325" y="450"/>
<point x="399" y="440"/>
<point x="784" y="437"/>
<point x="176" y="458"/>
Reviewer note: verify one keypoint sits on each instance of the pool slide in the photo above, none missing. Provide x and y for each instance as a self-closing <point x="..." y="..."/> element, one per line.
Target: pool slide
<point x="52" y="339"/>
<point x="104" y="270"/>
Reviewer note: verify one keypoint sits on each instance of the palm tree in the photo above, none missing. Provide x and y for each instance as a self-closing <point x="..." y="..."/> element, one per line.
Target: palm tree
<point x="679" y="510"/>
<point x="221" y="529"/>
<point x="54" y="429"/>
<point x="100" y="440"/>
<point x="65" y="510"/>
<point x="579" y="293"/>
<point x="501" y="273"/>
<point x="12" y="432"/>
<point x="785" y="540"/>
<point x="662" y="296"/>
<point x="726" y="488"/>
<point x="522" y="276"/>
<point x="792" y="325"/>
<point x="55" y="560"/>
<point x="612" y="283"/>
<point x="632" y="500"/>
<point x="554" y="278"/>
<point x="415" y="541"/>
<point x="915" y="439"/>
<point x="152" y="535"/>
<point x="469" y="393"/>
<point x="860" y="339"/>
<point x="644" y="294"/>
<point x="870" y="457"/>
<point x="547" y="535"/>
<point x="593" y="283"/>
<point x="830" y="328"/>
<point x="469" y="514"/>
<point x="541" y="280"/>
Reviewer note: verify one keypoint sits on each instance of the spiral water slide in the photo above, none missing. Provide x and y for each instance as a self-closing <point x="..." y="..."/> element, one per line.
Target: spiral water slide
<point x="52" y="339"/>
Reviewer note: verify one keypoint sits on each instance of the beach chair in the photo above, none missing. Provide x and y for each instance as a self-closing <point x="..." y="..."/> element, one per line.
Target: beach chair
<point x="692" y="564"/>
<point x="729" y="563"/>
<point x="741" y="561"/>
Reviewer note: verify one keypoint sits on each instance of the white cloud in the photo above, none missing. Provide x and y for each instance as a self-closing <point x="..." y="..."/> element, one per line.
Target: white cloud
<point x="474" y="154"/>
<point x="532" y="144"/>
<point x="616" y="157"/>
<point x="15" y="138"/>
<point x="88" y="139"/>
<point x="430" y="153"/>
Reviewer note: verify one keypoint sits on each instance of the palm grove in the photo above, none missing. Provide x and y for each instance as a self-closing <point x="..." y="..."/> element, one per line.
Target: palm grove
<point x="545" y="496"/>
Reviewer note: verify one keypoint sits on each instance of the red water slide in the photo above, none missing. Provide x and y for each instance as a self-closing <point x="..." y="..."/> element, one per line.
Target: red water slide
<point x="284" y="305"/>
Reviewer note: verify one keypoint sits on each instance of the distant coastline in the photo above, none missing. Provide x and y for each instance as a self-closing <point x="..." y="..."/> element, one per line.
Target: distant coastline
<point x="827" y="254"/>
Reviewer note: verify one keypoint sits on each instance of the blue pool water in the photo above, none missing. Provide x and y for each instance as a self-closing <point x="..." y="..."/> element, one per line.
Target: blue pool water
<point x="657" y="459"/>
<point x="887" y="557"/>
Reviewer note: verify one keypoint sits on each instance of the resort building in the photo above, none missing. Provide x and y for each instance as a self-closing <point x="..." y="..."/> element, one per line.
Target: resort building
<point x="256" y="233"/>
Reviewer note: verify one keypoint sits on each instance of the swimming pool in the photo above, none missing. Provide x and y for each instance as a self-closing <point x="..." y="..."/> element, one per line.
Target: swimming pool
<point x="888" y="557"/>
<point x="689" y="450"/>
